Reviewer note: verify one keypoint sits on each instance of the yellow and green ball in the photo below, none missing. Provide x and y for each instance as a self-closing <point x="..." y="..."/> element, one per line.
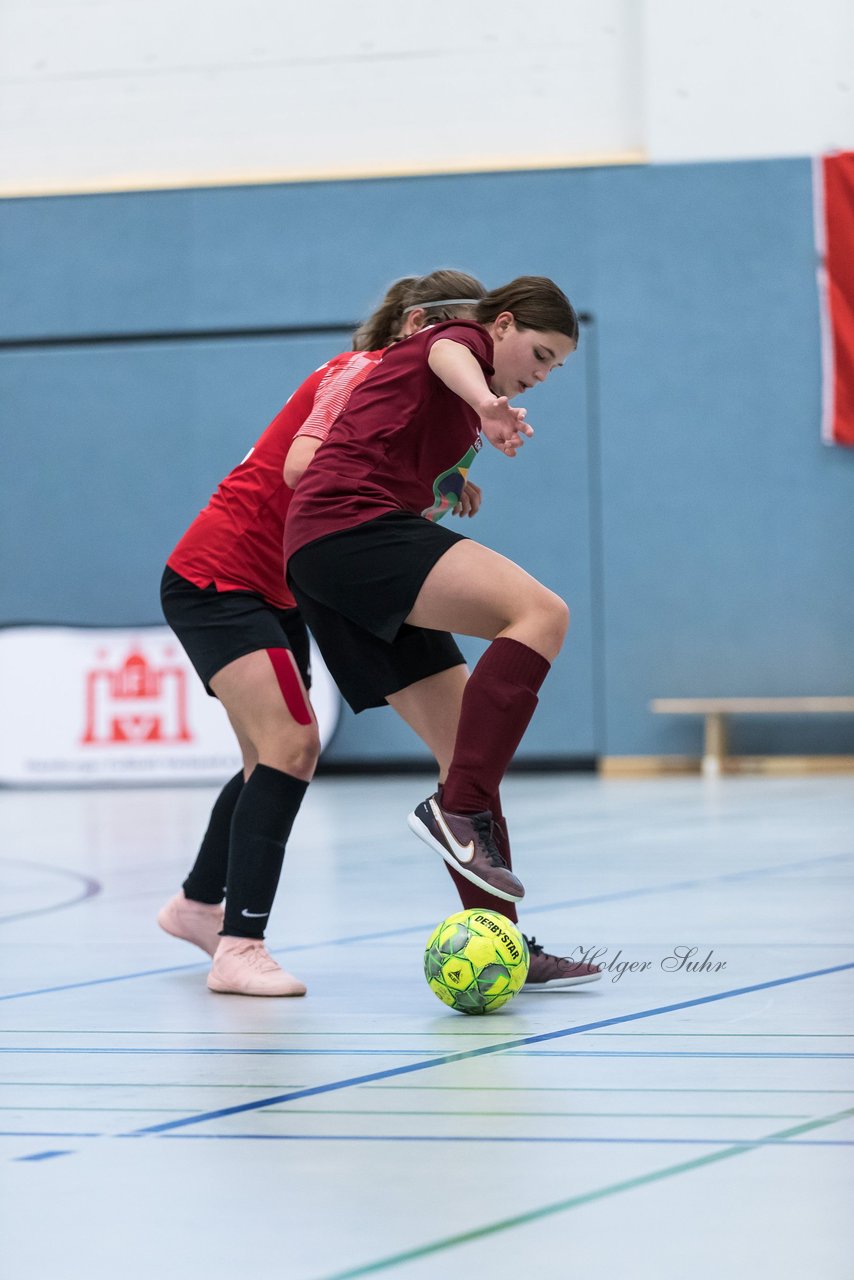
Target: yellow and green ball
<point x="476" y="961"/>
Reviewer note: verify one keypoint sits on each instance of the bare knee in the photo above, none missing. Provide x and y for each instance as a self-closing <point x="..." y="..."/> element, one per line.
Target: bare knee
<point x="558" y="620"/>
<point x="541" y="623"/>
<point x="295" y="752"/>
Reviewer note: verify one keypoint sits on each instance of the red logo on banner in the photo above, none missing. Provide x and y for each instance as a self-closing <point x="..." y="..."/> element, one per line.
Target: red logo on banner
<point x="136" y="702"/>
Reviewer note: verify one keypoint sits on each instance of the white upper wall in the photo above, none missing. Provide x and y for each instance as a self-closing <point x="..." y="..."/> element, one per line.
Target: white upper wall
<point x="743" y="78"/>
<point x="109" y="94"/>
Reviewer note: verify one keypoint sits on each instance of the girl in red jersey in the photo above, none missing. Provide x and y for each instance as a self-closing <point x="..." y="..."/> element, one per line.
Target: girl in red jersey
<point x="381" y="584"/>
<point x="224" y="595"/>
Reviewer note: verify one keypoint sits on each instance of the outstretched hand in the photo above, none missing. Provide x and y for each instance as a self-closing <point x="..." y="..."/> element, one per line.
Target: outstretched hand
<point x="504" y="426"/>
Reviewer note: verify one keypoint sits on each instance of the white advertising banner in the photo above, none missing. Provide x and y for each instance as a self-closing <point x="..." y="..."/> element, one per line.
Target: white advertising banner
<point x="117" y="705"/>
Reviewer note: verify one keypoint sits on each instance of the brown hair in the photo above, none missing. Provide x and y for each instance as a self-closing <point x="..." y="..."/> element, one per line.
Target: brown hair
<point x="383" y="325"/>
<point x="536" y="303"/>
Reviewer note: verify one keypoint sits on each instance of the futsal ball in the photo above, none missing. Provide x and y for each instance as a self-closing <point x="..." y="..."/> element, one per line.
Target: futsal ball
<point x="476" y="961"/>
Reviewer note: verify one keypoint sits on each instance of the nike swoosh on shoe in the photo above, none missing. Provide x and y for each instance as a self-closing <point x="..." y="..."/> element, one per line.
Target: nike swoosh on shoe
<point x="463" y="853"/>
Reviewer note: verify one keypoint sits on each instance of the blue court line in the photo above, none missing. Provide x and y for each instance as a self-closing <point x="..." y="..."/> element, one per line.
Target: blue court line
<point x="678" y="885"/>
<point x="41" y="1133"/>
<point x="675" y="1053"/>
<point x="466" y="1055"/>
<point x="100" y="982"/>
<point x="619" y="895"/>
<point x="216" y="1052"/>
<point x="572" y="1202"/>
<point x="191" y="1051"/>
<point x="469" y="1139"/>
<point x="43" y="1155"/>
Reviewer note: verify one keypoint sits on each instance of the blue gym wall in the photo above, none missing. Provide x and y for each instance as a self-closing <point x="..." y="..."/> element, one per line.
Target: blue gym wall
<point x="676" y="493"/>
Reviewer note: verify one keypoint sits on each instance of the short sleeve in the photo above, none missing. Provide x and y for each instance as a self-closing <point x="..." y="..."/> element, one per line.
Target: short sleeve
<point x="470" y="335"/>
<point x="334" y="390"/>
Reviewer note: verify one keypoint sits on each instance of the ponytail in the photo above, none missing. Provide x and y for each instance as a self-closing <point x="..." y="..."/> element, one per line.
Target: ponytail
<point x="382" y="325"/>
<point x="453" y="292"/>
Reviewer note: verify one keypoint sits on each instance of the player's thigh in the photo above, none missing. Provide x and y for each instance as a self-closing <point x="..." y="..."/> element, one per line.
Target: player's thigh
<point x="474" y="591"/>
<point x="431" y="707"/>
<point x="265" y="706"/>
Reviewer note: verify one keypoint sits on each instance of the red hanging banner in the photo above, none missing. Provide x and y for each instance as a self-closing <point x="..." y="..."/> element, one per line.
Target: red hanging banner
<point x="834" y="229"/>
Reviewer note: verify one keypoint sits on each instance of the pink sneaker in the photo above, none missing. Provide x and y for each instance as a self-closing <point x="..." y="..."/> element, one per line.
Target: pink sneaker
<point x="244" y="967"/>
<point x="197" y="922"/>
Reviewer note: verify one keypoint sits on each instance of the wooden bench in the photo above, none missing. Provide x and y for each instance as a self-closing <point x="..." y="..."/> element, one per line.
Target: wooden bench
<point x="716" y="710"/>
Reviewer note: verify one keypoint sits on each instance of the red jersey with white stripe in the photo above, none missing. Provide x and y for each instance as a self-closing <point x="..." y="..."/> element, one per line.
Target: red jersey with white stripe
<point x="405" y="442"/>
<point x="235" y="543"/>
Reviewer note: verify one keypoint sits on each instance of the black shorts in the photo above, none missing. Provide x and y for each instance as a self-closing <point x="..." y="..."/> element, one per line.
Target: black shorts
<point x="215" y="627"/>
<point x="355" y="588"/>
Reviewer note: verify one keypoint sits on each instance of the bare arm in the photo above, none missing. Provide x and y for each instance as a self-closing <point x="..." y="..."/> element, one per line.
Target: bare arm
<point x="502" y="425"/>
<point x="300" y="454"/>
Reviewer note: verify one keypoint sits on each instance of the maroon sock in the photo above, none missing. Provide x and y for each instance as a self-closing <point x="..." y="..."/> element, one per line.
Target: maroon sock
<point x="471" y="895"/>
<point x="499" y="700"/>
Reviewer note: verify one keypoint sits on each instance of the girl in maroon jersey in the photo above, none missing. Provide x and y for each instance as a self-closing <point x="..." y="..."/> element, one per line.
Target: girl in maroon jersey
<point x="382" y="584"/>
<point x="224" y="595"/>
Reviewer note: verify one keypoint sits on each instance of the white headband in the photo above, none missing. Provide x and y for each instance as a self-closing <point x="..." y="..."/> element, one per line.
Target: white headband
<point x="442" y="302"/>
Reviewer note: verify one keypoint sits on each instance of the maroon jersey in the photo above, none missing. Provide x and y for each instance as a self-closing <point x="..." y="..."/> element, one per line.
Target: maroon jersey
<point x="235" y="543"/>
<point x="405" y="442"/>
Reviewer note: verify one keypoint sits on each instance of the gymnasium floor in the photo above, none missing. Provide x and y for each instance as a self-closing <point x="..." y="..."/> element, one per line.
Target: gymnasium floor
<point x="657" y="1123"/>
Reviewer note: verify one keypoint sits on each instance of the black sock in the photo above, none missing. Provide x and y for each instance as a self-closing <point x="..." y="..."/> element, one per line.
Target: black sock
<point x="262" y="821"/>
<point x="206" y="881"/>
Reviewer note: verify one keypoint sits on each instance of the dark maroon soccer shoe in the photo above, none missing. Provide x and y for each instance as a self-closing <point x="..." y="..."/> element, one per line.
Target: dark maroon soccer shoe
<point x="549" y="972"/>
<point x="466" y="842"/>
